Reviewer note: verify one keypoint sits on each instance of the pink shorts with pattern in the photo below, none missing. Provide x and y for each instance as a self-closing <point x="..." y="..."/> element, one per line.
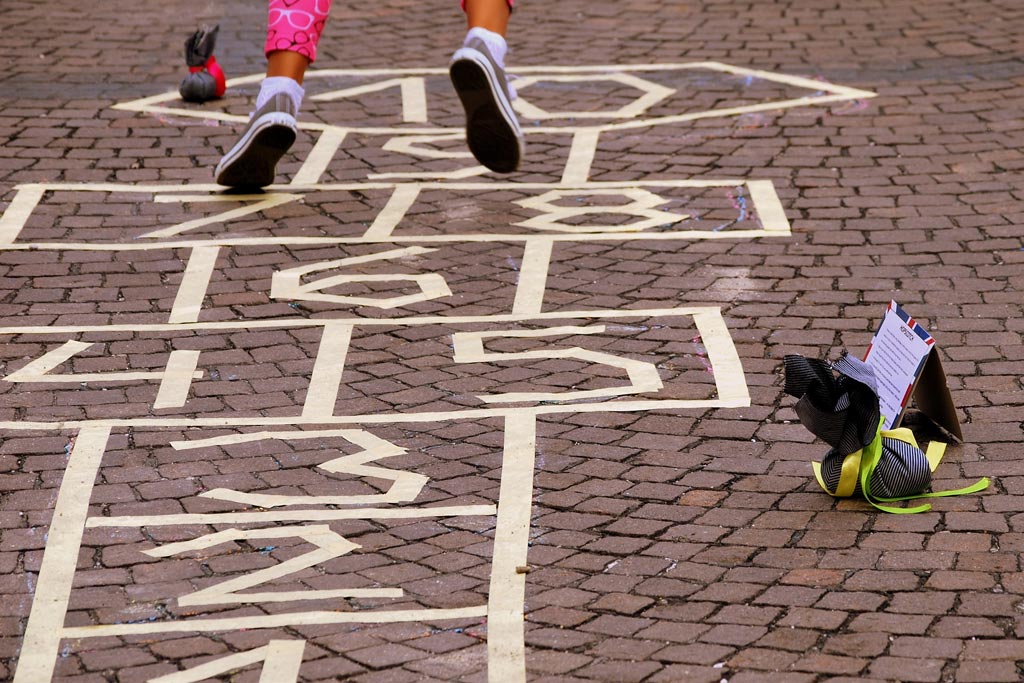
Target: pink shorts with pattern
<point x="296" y="25"/>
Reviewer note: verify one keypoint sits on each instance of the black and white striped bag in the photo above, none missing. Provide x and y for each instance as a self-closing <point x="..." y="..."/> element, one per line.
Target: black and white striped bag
<point x="865" y="460"/>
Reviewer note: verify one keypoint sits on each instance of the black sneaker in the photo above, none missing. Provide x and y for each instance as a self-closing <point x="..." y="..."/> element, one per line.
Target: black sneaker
<point x="492" y="130"/>
<point x="252" y="162"/>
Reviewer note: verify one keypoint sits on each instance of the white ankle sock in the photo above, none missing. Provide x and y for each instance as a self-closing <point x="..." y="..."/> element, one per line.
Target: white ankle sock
<point x="495" y="43"/>
<point x="275" y="85"/>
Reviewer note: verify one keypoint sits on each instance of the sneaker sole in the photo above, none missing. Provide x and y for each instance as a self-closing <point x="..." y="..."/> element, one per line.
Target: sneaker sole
<point x="492" y="132"/>
<point x="253" y="161"/>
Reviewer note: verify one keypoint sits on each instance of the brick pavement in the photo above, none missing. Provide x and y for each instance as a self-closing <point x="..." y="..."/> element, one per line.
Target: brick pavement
<point x="682" y="544"/>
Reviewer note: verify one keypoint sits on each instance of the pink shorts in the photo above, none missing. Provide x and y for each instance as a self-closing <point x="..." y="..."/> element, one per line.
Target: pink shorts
<point x="296" y="26"/>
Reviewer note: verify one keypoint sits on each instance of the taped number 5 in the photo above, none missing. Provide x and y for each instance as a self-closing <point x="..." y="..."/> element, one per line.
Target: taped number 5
<point x="469" y="348"/>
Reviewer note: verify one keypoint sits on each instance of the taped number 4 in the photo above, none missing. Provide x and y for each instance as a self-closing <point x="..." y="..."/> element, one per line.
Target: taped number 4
<point x="175" y="378"/>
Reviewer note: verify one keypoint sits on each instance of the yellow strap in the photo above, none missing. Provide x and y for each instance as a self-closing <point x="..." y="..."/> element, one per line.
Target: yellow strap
<point x="934" y="454"/>
<point x="816" y="466"/>
<point x="902" y="434"/>
<point x="847" y="477"/>
<point x="936" y="449"/>
<point x="979" y="485"/>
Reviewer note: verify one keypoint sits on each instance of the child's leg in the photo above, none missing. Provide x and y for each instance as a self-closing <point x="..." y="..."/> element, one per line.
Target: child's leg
<point x="492" y="15"/>
<point x="293" y="31"/>
<point x="287" y="64"/>
<point x="477" y="71"/>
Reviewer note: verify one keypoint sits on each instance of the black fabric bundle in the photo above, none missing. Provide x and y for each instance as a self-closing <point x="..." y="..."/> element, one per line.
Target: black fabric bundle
<point x="843" y="411"/>
<point x="205" y="80"/>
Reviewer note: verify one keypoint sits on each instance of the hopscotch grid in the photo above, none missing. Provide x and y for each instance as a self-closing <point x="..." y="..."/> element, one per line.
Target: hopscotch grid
<point x="504" y="611"/>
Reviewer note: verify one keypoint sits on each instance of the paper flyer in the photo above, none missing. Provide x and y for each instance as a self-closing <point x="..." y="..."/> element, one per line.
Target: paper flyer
<point x="897" y="354"/>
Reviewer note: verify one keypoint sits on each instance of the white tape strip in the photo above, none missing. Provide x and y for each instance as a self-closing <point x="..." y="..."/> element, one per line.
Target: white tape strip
<point x="506" y="596"/>
<point x="43" y="633"/>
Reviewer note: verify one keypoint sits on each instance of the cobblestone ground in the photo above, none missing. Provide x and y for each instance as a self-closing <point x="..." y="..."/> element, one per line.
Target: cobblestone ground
<point x="659" y="527"/>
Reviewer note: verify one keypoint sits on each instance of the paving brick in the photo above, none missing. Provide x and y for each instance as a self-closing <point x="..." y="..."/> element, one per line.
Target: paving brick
<point x="733" y="634"/>
<point x="907" y="669"/>
<point x="794" y="639"/>
<point x="995" y="672"/>
<point x="891" y="623"/>
<point x="762" y="659"/>
<point x="831" y="664"/>
<point x="686" y="672"/>
<point x="813" y="618"/>
<point x="738" y="614"/>
<point x="625" y="671"/>
<point x="938" y="648"/>
<point x="992" y="649"/>
<point x="694" y="654"/>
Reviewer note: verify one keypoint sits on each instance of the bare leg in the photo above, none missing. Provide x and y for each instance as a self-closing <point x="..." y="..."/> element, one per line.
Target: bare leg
<point x="477" y="71"/>
<point x="492" y="15"/>
<point x="288" y="64"/>
<point x="294" y="28"/>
